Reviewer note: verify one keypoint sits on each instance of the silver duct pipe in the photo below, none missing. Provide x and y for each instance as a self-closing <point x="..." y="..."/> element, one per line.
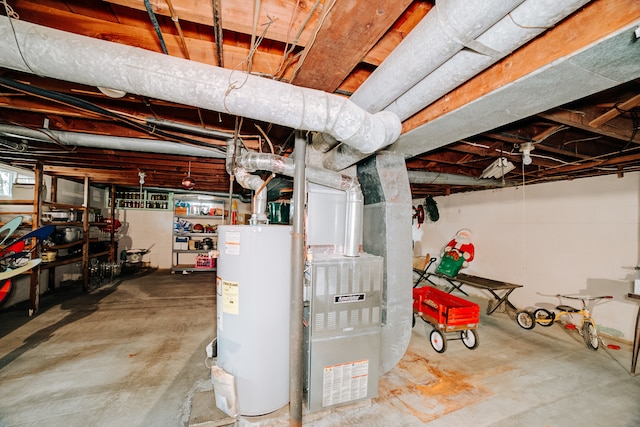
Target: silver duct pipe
<point x="255" y="183"/>
<point x="439" y="75"/>
<point x="322" y="142"/>
<point x="252" y="162"/>
<point x="211" y="133"/>
<point x="449" y="27"/>
<point x="109" y="142"/>
<point x="246" y="180"/>
<point x="420" y="177"/>
<point x="523" y="24"/>
<point x="52" y="53"/>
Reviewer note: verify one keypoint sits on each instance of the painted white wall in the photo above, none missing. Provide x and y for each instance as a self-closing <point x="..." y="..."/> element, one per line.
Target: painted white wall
<point x="148" y="229"/>
<point x="572" y="237"/>
<point x="154" y="228"/>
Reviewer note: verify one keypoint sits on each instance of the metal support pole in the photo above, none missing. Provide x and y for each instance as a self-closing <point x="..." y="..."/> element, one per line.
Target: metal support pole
<point x="297" y="279"/>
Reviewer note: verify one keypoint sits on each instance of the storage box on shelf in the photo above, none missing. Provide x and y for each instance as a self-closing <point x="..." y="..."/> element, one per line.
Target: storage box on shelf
<point x="195" y="233"/>
<point x="130" y="199"/>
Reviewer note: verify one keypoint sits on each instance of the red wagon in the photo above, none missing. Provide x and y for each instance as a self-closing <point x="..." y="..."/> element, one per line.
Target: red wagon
<point x="447" y="314"/>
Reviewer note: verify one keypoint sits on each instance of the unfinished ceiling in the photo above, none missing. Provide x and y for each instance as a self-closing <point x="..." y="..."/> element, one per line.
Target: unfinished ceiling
<point x="568" y="97"/>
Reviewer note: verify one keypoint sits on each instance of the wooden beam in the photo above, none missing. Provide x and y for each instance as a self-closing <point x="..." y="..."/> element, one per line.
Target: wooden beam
<point x="143" y="36"/>
<point x="237" y="15"/>
<point x="348" y="31"/>
<point x="576" y="32"/>
<point x="569" y="118"/>
<point x="615" y="112"/>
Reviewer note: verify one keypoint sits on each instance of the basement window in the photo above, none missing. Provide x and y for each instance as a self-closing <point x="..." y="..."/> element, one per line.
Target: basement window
<point x="8" y="177"/>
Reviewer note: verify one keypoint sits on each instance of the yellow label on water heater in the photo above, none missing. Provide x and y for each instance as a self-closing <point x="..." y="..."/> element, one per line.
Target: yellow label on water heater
<point x="230" y="302"/>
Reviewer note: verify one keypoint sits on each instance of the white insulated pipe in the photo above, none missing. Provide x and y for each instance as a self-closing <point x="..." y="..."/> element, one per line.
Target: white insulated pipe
<point x="446" y="73"/>
<point x="523" y="24"/>
<point x="450" y="26"/>
<point x="90" y="140"/>
<point x="426" y="177"/>
<point x="52" y="53"/>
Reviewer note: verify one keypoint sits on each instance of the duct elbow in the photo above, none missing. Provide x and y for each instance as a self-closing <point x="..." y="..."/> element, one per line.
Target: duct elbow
<point x="376" y="131"/>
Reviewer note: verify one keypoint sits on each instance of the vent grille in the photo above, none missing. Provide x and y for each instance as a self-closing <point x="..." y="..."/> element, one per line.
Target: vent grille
<point x="346" y="295"/>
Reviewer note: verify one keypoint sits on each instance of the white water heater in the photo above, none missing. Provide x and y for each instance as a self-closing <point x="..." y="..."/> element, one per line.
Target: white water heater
<point x="253" y="304"/>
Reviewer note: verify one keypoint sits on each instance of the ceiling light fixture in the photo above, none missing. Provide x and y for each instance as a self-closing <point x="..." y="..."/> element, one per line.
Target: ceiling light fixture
<point x="187" y="182"/>
<point x="525" y="149"/>
<point x="500" y="167"/>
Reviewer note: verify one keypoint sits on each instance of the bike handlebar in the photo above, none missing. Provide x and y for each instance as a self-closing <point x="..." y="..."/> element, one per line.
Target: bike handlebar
<point x="585" y="298"/>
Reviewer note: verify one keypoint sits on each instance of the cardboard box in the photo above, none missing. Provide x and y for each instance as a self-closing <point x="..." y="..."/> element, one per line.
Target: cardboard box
<point x="182" y="243"/>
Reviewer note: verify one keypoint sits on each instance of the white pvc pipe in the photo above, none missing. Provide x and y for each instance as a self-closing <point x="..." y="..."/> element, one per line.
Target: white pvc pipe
<point x="445" y="30"/>
<point x="522" y="25"/>
<point x="52" y="53"/>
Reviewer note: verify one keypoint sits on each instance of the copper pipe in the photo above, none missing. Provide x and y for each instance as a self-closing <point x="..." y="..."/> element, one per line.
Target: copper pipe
<point x="174" y="18"/>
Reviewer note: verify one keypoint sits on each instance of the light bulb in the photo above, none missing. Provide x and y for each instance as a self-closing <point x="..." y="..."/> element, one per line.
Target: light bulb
<point x="526" y="158"/>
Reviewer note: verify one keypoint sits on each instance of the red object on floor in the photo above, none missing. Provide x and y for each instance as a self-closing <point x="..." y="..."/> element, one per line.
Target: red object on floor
<point x="570" y="326"/>
<point x="613" y="346"/>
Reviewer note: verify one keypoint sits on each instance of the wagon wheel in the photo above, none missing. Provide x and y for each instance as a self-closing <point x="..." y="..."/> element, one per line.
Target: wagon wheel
<point x="438" y="341"/>
<point x="469" y="338"/>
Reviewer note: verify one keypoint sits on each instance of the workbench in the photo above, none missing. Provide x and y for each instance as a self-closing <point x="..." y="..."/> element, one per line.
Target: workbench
<point x="499" y="290"/>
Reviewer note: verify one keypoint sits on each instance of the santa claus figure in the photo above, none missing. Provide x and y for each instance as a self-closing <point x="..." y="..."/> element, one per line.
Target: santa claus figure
<point x="461" y="245"/>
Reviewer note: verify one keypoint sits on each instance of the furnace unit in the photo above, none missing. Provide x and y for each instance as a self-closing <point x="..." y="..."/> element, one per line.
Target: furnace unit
<point x="342" y="328"/>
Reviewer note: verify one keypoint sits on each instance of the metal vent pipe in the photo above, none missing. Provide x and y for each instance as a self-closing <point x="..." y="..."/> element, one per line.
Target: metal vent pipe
<point x="90" y="140"/>
<point x="523" y="24"/>
<point x="425" y="78"/>
<point x="247" y="162"/>
<point x="449" y="27"/>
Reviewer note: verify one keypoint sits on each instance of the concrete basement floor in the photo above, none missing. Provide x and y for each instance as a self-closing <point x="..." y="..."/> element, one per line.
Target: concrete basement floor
<point x="133" y="354"/>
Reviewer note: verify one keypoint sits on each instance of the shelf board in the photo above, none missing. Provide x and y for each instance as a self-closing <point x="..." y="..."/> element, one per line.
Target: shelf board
<point x="192" y="251"/>
<point x="64" y="261"/>
<point x="64" y="223"/>
<point x="97" y="254"/>
<point x="66" y="245"/>
<point x="214" y="217"/>
<point x="60" y="261"/>
<point x="56" y="205"/>
<point x="195" y="234"/>
<point x="190" y="267"/>
<point x="15" y="202"/>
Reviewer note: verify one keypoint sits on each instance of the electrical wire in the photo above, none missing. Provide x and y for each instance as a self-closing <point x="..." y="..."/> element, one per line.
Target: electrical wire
<point x="288" y="50"/>
<point x="156" y="25"/>
<point x="232" y="84"/>
<point x="98" y="111"/>
<point x="11" y="14"/>
<point x="325" y="13"/>
<point x="176" y="21"/>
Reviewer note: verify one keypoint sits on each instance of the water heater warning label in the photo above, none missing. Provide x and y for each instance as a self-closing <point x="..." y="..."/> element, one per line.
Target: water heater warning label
<point x="232" y="243"/>
<point x="230" y="302"/>
<point x="344" y="382"/>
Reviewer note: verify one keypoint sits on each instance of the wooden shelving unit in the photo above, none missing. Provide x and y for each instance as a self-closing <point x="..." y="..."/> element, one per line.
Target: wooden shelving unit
<point x="35" y="213"/>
